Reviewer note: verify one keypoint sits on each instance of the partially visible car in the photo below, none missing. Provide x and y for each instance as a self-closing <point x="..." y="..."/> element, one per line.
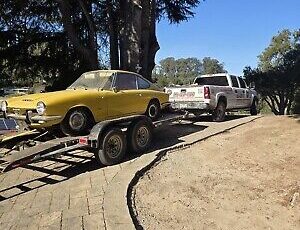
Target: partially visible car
<point x="95" y="96"/>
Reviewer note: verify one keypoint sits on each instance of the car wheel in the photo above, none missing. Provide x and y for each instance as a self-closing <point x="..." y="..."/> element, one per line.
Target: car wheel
<point x="153" y="110"/>
<point x="140" y="135"/>
<point x="113" y="147"/>
<point x="76" y="122"/>
<point x="219" y="112"/>
<point x="253" y="108"/>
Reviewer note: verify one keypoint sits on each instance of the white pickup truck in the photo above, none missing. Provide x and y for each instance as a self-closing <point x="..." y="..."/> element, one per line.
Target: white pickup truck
<point x="214" y="94"/>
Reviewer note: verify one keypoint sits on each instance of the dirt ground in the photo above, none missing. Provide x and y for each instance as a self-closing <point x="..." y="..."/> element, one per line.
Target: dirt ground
<point x="247" y="178"/>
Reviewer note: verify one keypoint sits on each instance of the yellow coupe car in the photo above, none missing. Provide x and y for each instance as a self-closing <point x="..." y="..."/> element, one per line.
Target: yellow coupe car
<point x="95" y="96"/>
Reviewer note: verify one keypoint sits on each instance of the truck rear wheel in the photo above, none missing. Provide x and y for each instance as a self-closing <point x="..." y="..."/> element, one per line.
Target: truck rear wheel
<point x="140" y="135"/>
<point x="253" y="108"/>
<point x="218" y="114"/>
<point x="113" y="147"/>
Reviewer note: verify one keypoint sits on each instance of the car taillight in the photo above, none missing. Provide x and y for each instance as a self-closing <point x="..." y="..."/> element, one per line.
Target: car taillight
<point x="206" y="93"/>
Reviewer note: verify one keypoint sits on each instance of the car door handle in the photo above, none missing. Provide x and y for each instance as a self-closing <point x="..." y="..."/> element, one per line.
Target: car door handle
<point x="139" y="94"/>
<point x="235" y="91"/>
<point x="243" y="91"/>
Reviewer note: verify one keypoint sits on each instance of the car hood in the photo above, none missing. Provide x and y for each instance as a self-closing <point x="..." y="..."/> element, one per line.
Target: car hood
<point x="30" y="101"/>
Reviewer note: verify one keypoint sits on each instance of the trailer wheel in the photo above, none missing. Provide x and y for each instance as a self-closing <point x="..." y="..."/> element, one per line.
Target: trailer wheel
<point x="113" y="147"/>
<point x="140" y="135"/>
<point x="218" y="114"/>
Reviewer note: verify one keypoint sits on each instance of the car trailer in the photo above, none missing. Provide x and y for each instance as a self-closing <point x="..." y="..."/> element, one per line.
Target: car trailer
<point x="108" y="140"/>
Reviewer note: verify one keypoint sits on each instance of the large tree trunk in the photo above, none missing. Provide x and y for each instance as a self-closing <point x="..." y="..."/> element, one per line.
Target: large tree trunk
<point x="113" y="37"/>
<point x="130" y="42"/>
<point x="149" y="42"/>
<point x="89" y="53"/>
<point x="154" y="45"/>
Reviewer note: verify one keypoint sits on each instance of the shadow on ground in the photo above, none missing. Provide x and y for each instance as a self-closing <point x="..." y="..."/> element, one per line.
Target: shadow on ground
<point x="58" y="170"/>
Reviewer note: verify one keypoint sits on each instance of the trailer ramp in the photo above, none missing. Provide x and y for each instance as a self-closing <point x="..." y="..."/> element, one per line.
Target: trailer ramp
<point x="41" y="151"/>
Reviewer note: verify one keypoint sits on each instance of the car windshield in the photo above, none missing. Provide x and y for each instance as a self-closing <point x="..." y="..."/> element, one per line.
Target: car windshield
<point x="93" y="80"/>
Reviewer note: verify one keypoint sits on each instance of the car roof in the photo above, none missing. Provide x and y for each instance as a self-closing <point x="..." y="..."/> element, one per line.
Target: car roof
<point x="214" y="75"/>
<point x="114" y="71"/>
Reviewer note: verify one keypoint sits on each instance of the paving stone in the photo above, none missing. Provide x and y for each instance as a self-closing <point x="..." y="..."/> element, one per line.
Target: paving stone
<point x="59" y="202"/>
<point x="51" y="219"/>
<point x="29" y="221"/>
<point x="10" y="179"/>
<point x="24" y="201"/>
<point x="95" y="209"/>
<point x="96" y="191"/>
<point x="76" y="212"/>
<point x="110" y="172"/>
<point x="42" y="202"/>
<point x="95" y="200"/>
<point x="55" y="226"/>
<point x="6" y="205"/>
<point x="80" y="202"/>
<point x="12" y="216"/>
<point x="30" y="227"/>
<point x="93" y="222"/>
<point x="6" y="225"/>
<point x="74" y="223"/>
<point x="78" y="193"/>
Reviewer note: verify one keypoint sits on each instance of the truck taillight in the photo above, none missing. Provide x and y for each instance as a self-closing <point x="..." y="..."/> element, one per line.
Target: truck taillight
<point x="206" y="93"/>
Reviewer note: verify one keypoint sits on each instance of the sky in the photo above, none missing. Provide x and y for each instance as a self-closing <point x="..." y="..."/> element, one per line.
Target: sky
<point x="233" y="31"/>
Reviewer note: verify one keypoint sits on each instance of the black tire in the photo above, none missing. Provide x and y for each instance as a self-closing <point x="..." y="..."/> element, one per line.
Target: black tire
<point x="113" y="147"/>
<point x="218" y="114"/>
<point x="140" y="135"/>
<point x="253" y="108"/>
<point x="153" y="110"/>
<point x="76" y="122"/>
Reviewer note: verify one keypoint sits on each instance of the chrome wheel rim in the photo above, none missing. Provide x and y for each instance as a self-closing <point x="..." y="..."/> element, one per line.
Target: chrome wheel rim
<point x="152" y="110"/>
<point x="142" y="136"/>
<point x="114" y="146"/>
<point x="77" y="121"/>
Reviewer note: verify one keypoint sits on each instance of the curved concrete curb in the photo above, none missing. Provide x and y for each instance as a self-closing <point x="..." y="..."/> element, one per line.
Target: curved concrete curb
<point x="119" y="196"/>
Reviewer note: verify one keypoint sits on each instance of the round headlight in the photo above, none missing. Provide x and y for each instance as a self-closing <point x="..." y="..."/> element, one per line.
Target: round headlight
<point x="40" y="108"/>
<point x="3" y="106"/>
<point x="169" y="92"/>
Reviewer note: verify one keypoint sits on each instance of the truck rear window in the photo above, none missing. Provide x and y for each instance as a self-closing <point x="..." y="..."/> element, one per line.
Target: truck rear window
<point x="217" y="80"/>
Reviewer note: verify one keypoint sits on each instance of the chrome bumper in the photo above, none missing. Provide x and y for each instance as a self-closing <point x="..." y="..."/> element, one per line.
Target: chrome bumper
<point x="33" y="118"/>
<point x="190" y="105"/>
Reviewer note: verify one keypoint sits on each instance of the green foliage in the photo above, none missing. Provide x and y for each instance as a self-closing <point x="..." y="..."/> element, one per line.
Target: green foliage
<point x="184" y="70"/>
<point x="296" y="104"/>
<point x="281" y="44"/>
<point x="278" y="76"/>
<point x="211" y="66"/>
<point x="58" y="40"/>
<point x="176" y="11"/>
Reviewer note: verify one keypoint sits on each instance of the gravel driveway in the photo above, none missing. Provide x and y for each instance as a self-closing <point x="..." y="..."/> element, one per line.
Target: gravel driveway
<point x="247" y="178"/>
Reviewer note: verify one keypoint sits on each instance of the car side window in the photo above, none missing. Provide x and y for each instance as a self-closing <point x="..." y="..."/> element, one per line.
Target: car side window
<point x="125" y="81"/>
<point x="242" y="83"/>
<point x="234" y="81"/>
<point x="108" y="83"/>
<point x="143" y="84"/>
